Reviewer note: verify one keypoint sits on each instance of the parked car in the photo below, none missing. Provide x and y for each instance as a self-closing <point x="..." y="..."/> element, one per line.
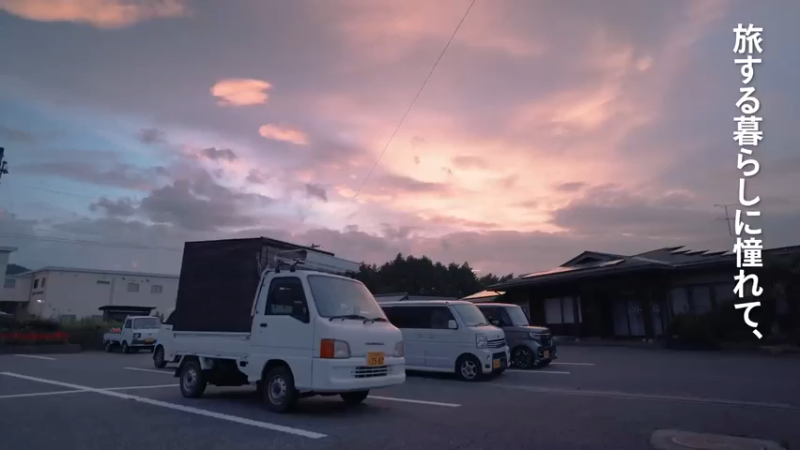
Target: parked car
<point x="449" y="336"/>
<point x="137" y="333"/>
<point x="531" y="346"/>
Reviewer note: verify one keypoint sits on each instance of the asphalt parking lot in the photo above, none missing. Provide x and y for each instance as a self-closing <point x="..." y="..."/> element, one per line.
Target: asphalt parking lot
<point x="594" y="398"/>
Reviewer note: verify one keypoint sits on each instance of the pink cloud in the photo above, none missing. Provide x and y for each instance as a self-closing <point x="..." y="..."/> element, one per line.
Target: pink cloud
<point x="241" y="91"/>
<point x="100" y="13"/>
<point x="285" y="133"/>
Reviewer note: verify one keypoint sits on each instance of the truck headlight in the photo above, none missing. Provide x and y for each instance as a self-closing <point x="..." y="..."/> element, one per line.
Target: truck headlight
<point x="137" y="335"/>
<point x="480" y="341"/>
<point x="399" y="349"/>
<point x="334" y="349"/>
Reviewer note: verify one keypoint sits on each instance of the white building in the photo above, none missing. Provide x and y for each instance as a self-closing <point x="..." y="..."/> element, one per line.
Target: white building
<point x="70" y="293"/>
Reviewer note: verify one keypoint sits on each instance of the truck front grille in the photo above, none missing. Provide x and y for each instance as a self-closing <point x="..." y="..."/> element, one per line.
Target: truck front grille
<point x="497" y="343"/>
<point x="370" y="371"/>
<point x="546" y="340"/>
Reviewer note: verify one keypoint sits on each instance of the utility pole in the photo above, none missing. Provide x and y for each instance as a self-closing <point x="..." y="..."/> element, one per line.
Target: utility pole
<point x="727" y="217"/>
<point x="3" y="164"/>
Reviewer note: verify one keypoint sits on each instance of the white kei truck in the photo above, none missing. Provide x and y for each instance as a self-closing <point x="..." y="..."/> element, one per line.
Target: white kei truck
<point x="137" y="333"/>
<point x="295" y="328"/>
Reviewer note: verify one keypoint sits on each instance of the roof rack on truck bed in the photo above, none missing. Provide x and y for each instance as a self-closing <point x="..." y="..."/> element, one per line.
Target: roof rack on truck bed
<point x="320" y="262"/>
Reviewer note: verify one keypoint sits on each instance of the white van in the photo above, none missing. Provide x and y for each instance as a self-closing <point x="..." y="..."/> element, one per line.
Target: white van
<point x="449" y="336"/>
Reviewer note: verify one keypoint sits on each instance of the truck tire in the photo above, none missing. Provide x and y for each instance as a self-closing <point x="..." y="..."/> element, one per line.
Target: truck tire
<point x="354" y="398"/>
<point x="278" y="389"/>
<point x="158" y="358"/>
<point x="109" y="347"/>
<point x="193" y="381"/>
<point x="125" y="348"/>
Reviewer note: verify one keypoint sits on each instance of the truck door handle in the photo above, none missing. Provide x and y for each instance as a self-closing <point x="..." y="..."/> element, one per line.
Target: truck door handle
<point x="263" y="325"/>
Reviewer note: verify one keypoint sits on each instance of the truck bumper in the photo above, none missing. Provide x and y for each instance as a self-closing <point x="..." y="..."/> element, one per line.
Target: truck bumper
<point x="353" y="374"/>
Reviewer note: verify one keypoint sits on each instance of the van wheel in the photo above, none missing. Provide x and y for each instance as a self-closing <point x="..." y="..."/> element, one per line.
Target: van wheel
<point x="125" y="348"/>
<point x="522" y="357"/>
<point x="193" y="382"/>
<point x="158" y="358"/>
<point x="354" y="398"/>
<point x="109" y="347"/>
<point x="468" y="368"/>
<point x="278" y="389"/>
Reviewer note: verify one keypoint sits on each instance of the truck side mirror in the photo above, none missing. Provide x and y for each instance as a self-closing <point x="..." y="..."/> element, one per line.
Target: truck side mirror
<point x="451" y="324"/>
<point x="496" y="322"/>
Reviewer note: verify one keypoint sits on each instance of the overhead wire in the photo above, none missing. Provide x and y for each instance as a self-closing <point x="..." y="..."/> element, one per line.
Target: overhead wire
<point x="411" y="106"/>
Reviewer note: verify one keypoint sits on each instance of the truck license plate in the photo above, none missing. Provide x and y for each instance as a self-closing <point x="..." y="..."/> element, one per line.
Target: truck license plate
<point x="547" y="354"/>
<point x="375" y="358"/>
<point x="148" y="340"/>
<point x="496" y="364"/>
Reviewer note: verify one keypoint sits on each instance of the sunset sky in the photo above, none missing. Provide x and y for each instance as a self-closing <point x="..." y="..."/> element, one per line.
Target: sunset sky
<point x="548" y="128"/>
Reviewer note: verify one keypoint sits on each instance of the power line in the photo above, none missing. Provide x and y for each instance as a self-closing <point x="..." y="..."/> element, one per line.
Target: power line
<point x="424" y="83"/>
<point x="54" y="191"/>
<point x="727" y="217"/>
<point x="129" y="245"/>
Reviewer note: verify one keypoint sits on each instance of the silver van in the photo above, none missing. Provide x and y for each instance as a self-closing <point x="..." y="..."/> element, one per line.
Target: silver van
<point x="449" y="336"/>
<point x="531" y="347"/>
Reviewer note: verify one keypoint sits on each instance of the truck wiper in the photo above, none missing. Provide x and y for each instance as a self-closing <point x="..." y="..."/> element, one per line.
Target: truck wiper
<point x="348" y="316"/>
<point x="376" y="319"/>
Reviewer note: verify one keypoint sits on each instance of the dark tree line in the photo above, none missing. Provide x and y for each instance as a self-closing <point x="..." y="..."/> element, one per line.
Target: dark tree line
<point x="421" y="276"/>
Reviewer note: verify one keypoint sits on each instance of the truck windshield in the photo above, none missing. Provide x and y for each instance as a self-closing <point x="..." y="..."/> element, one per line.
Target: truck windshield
<point x="148" y="323"/>
<point x="470" y="315"/>
<point x="517" y="316"/>
<point x="336" y="297"/>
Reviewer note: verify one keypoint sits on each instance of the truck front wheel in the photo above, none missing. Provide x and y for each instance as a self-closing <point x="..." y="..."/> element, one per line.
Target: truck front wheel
<point x="354" y="398"/>
<point x="193" y="381"/>
<point x="278" y="389"/>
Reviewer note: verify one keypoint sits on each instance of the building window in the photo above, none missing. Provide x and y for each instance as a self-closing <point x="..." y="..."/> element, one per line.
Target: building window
<point x="36" y="283"/>
<point x="155" y="289"/>
<point x="10" y="283"/>
<point x="103" y="282"/>
<point x="44" y="282"/>
<point x="562" y="310"/>
<point x="133" y="287"/>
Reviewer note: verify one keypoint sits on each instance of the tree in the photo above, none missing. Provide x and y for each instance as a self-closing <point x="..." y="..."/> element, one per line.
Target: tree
<point x="422" y="276"/>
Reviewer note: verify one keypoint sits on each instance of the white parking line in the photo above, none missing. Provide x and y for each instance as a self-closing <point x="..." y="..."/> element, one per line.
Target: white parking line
<point x="570" y="364"/>
<point x="37" y="357"/>
<point x="40" y="394"/>
<point x="79" y="391"/>
<point x="188" y="409"/>
<point x="168" y="372"/>
<point x="551" y="372"/>
<point x="420" y="402"/>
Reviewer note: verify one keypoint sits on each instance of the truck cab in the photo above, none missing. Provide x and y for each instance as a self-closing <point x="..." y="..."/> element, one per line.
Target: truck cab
<point x="311" y="332"/>
<point x="136" y="333"/>
<point x="163" y="352"/>
<point x="531" y="346"/>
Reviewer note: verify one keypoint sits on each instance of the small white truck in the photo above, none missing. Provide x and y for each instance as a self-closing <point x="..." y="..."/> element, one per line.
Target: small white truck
<point x="294" y="330"/>
<point x="163" y="352"/>
<point x="137" y="332"/>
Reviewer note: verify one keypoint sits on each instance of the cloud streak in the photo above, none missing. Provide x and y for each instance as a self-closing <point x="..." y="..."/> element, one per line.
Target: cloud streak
<point x="107" y="14"/>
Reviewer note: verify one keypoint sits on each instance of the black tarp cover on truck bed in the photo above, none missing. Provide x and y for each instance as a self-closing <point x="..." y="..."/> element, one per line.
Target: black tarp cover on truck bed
<point x="219" y="280"/>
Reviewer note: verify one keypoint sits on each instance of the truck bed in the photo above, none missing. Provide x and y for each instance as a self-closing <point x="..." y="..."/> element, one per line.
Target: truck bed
<point x="211" y="344"/>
